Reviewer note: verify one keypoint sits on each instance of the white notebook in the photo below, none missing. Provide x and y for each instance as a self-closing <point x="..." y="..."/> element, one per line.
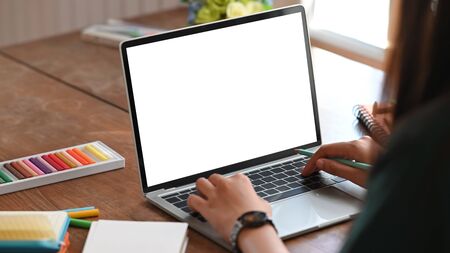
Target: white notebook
<point x="136" y="236"/>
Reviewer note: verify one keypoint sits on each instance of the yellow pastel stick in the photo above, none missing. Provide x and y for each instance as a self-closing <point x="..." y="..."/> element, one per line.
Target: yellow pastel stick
<point x="97" y="153"/>
<point x="65" y="160"/>
<point x="84" y="213"/>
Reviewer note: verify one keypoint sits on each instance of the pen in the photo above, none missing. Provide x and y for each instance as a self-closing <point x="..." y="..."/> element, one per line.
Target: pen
<point x="353" y="164"/>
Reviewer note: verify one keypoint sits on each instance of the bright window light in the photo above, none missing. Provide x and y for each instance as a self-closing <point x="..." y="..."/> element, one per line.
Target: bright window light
<point x="364" y="20"/>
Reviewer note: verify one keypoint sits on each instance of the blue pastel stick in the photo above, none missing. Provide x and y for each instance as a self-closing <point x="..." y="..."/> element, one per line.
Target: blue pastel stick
<point x="79" y="209"/>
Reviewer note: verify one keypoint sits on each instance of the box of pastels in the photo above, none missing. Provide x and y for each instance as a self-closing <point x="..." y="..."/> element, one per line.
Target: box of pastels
<point x="58" y="165"/>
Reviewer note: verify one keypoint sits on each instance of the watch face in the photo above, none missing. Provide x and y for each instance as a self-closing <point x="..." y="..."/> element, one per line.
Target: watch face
<point x="254" y="219"/>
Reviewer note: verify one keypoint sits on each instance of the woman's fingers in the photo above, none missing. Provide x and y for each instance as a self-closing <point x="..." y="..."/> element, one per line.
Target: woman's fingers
<point x="197" y="203"/>
<point x="340" y="149"/>
<point x="357" y="176"/>
<point x="205" y="187"/>
<point x="217" y="180"/>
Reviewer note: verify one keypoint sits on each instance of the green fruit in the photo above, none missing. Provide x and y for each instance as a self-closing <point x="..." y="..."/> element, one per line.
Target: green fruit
<point x="206" y="15"/>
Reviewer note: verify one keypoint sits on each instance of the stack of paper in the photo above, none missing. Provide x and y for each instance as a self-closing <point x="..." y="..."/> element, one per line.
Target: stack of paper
<point x="135" y="236"/>
<point x="33" y="231"/>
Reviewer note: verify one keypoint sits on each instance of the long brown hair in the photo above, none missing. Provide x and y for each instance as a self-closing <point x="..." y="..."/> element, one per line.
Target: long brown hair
<point x="418" y="65"/>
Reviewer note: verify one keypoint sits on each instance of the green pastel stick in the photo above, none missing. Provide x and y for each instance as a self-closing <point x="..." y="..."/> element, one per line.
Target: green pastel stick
<point x="2" y="181"/>
<point x="5" y="177"/>
<point x="80" y="223"/>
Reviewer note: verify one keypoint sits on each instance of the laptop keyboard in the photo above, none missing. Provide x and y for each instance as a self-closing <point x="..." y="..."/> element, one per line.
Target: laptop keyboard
<point x="271" y="183"/>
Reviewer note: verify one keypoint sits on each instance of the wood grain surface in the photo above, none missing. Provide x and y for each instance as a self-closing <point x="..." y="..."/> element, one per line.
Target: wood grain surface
<point x="61" y="92"/>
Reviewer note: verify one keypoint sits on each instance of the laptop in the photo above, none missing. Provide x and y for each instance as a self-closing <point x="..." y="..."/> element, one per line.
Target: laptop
<point x="234" y="96"/>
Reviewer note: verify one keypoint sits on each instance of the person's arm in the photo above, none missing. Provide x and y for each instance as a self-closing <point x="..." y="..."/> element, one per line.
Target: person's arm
<point x="224" y="200"/>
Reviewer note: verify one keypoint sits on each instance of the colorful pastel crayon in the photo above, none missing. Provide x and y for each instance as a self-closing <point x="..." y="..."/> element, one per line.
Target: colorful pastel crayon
<point x="84" y="213"/>
<point x="79" y="209"/>
<point x="5" y="177"/>
<point x="41" y="166"/>
<point x="80" y="223"/>
<point x="13" y="171"/>
<point x="48" y="165"/>
<point x="21" y="163"/>
<point x="33" y="167"/>
<point x="73" y="160"/>
<point x="22" y="171"/>
<point x="85" y="157"/>
<point x="53" y="163"/>
<point x="76" y="156"/>
<point x="65" y="160"/>
<point x="58" y="161"/>
<point x="101" y="150"/>
<point x="91" y="149"/>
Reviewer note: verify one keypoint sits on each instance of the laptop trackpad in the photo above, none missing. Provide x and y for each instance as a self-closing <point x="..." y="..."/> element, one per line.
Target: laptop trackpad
<point x="314" y="209"/>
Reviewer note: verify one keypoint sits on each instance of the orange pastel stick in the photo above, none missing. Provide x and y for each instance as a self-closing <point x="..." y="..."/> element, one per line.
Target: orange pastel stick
<point x="83" y="155"/>
<point x="77" y="157"/>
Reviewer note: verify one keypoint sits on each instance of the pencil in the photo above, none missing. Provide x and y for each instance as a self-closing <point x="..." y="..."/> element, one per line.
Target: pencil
<point x="353" y="164"/>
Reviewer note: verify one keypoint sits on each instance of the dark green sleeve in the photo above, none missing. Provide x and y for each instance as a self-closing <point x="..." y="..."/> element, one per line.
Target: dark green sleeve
<point x="408" y="202"/>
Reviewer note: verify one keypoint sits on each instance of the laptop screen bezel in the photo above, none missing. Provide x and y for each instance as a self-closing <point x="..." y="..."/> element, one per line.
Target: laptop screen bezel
<point x="204" y="28"/>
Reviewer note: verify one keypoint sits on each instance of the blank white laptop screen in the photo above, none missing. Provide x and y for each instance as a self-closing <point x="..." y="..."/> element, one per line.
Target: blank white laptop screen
<point x="216" y="98"/>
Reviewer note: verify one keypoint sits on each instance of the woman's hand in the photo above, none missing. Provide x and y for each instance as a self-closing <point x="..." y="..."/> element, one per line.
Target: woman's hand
<point x="224" y="200"/>
<point x="364" y="150"/>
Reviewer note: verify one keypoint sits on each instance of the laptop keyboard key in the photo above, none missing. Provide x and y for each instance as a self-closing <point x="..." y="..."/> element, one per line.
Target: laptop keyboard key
<point x="254" y="176"/>
<point x="268" y="186"/>
<point x="186" y="209"/>
<point x="180" y="204"/>
<point x="316" y="185"/>
<point x="266" y="173"/>
<point x="258" y="189"/>
<point x="291" y="179"/>
<point x="271" y="191"/>
<point x="173" y="200"/>
<point x="258" y="182"/>
<point x="262" y="194"/>
<point x="287" y="194"/>
<point x="279" y="182"/>
<point x="288" y="167"/>
<point x="277" y="170"/>
<point x="291" y="173"/>
<point x="253" y="172"/>
<point x="280" y="175"/>
<point x="268" y="179"/>
<point x="283" y="188"/>
<point x="294" y="185"/>
<point x="183" y="196"/>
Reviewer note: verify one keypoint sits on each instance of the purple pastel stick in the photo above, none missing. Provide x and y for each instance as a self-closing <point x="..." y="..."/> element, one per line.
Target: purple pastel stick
<point x="40" y="165"/>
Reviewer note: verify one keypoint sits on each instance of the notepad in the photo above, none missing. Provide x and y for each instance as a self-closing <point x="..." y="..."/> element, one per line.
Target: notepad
<point x="32" y="231"/>
<point x="136" y="236"/>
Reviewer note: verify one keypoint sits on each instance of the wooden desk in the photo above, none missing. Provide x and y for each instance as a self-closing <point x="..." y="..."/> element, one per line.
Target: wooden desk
<point x="60" y="92"/>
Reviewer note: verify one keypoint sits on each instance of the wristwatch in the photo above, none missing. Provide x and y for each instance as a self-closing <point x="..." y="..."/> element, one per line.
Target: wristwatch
<point x="252" y="219"/>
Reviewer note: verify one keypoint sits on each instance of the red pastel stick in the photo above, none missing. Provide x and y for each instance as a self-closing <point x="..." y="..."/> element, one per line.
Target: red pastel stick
<point x="77" y="157"/>
<point x="52" y="163"/>
<point x="59" y="161"/>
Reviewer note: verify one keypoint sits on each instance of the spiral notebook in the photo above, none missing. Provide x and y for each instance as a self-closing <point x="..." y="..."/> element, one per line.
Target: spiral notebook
<point x="377" y="119"/>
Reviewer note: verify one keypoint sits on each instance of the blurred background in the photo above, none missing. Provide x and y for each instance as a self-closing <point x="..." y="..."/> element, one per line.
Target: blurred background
<point x="357" y="29"/>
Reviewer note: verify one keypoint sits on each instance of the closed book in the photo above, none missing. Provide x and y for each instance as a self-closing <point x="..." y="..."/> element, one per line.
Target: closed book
<point x="40" y="232"/>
